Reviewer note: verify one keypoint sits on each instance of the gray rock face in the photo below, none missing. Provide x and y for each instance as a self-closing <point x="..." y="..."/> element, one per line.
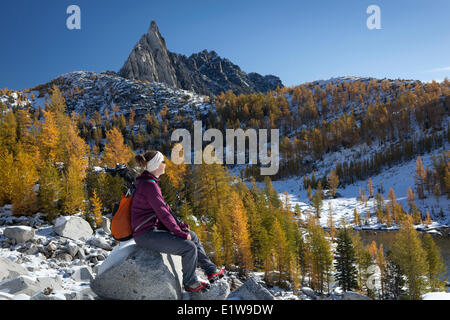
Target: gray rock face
<point x="204" y="72"/>
<point x="72" y="249"/>
<point x="82" y="273"/>
<point x="150" y="60"/>
<point x="142" y="275"/>
<point x="100" y="243"/>
<point x="251" y="290"/>
<point x="9" y="269"/>
<point x="19" y="234"/>
<point x="63" y="256"/>
<point x="106" y="225"/>
<point x="74" y="228"/>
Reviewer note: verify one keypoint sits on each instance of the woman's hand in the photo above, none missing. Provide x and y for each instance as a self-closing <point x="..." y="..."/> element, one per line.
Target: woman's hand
<point x="189" y="237"/>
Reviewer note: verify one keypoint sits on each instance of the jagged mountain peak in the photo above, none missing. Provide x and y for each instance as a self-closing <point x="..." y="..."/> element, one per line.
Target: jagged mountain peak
<point x="204" y="72"/>
<point x="153" y="27"/>
<point x="154" y="36"/>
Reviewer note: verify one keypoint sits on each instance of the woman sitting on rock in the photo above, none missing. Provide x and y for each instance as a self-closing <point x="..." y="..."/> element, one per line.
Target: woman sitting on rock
<point x="155" y="227"/>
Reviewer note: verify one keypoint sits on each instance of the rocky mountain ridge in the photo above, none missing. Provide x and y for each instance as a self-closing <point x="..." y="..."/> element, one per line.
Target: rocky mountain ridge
<point x="204" y="72"/>
<point x="89" y="92"/>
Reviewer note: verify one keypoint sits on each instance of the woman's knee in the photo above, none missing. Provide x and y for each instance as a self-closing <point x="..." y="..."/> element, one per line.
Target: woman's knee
<point x="194" y="236"/>
<point x="190" y="246"/>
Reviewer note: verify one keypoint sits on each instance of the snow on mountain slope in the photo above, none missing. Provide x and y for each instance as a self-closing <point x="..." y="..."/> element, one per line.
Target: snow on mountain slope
<point x="399" y="177"/>
<point x="90" y="92"/>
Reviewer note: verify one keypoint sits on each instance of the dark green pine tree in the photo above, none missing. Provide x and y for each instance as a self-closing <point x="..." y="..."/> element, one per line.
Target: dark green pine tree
<point x="393" y="280"/>
<point x="346" y="271"/>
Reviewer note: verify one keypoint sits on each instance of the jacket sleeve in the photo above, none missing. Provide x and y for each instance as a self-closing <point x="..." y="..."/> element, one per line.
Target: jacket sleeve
<point x="184" y="225"/>
<point x="156" y="201"/>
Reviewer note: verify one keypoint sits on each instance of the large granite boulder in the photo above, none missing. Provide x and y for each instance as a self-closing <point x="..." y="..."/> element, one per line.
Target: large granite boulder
<point x="75" y="228"/>
<point x="251" y="290"/>
<point x="133" y="273"/>
<point x="9" y="269"/>
<point x="19" y="234"/>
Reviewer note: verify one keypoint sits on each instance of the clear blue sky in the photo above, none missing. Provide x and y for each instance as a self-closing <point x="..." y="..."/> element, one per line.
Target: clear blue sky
<point x="297" y="40"/>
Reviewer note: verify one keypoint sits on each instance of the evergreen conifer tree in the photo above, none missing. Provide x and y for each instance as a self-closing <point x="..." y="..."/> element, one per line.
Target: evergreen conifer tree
<point x="346" y="271"/>
<point x="394" y="279"/>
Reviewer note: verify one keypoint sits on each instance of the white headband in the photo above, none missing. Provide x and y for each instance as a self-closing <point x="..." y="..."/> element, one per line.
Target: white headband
<point x="153" y="164"/>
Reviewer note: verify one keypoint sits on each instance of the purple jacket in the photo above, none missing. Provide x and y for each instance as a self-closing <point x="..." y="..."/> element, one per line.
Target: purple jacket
<point x="148" y="201"/>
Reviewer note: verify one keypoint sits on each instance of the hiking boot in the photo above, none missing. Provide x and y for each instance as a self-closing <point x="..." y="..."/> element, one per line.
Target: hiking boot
<point x="199" y="286"/>
<point x="218" y="274"/>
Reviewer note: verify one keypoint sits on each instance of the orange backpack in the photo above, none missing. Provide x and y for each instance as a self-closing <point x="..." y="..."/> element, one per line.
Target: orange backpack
<point x="121" y="222"/>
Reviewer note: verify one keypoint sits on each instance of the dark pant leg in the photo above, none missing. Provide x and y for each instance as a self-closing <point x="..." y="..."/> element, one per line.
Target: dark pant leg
<point x="165" y="242"/>
<point x="203" y="260"/>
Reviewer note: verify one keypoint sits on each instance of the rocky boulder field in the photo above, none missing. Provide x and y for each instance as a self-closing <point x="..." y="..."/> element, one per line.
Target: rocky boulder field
<point x="68" y="260"/>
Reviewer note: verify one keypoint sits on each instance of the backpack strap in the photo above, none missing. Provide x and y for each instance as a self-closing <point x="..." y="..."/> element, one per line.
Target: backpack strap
<point x="149" y="218"/>
<point x="134" y="187"/>
<point x="144" y="222"/>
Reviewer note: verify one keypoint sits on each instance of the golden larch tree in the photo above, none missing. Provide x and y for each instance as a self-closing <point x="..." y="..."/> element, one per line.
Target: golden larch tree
<point x="115" y="149"/>
<point x="25" y="175"/>
<point x="333" y="182"/>
<point x="241" y="235"/>
<point x="370" y="187"/>
<point x="49" y="137"/>
<point x="57" y="102"/>
<point x="96" y="209"/>
<point x="408" y="253"/>
<point x="6" y="177"/>
<point x="420" y="177"/>
<point x="72" y="194"/>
